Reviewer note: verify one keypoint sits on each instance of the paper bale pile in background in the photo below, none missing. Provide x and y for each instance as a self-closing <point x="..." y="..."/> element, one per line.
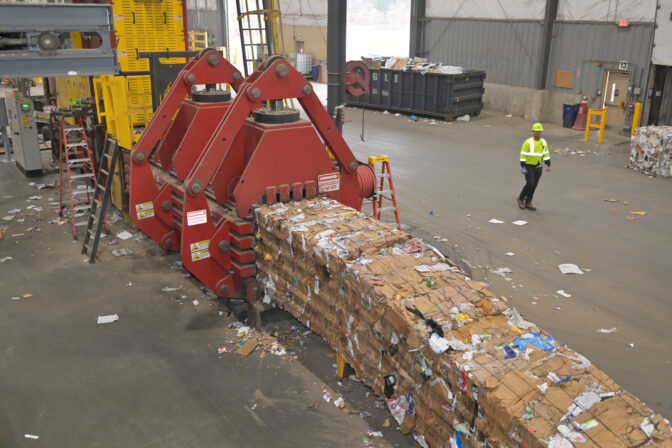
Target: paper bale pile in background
<point x="651" y="151"/>
<point x="456" y="365"/>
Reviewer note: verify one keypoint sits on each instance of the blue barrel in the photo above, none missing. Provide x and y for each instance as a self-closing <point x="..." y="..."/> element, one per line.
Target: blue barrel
<point x="316" y="74"/>
<point x="569" y="112"/>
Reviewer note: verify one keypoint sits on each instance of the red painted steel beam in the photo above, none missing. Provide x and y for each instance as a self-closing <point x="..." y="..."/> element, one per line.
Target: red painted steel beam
<point x="209" y="67"/>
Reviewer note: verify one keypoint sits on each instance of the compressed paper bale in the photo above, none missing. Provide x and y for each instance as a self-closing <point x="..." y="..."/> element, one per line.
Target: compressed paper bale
<point x="361" y="306"/>
<point x="651" y="150"/>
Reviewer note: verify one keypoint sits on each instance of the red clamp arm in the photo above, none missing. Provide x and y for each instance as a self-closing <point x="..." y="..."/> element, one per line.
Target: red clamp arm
<point x="209" y="67"/>
<point x="277" y="80"/>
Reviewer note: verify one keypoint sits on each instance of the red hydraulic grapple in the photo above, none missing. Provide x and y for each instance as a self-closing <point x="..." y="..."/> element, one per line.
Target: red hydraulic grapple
<point x="205" y="161"/>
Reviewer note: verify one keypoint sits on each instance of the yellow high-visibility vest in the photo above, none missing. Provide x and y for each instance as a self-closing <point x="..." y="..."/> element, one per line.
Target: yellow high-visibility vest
<point x="534" y="151"/>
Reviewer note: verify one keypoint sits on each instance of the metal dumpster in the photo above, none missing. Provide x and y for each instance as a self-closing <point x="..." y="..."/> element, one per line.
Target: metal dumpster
<point x="434" y="94"/>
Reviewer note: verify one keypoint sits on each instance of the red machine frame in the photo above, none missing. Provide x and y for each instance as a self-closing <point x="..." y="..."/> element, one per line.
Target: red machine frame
<point x="243" y="163"/>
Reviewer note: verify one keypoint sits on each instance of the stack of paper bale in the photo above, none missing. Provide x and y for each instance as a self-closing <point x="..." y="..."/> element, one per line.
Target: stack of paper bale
<point x="457" y="366"/>
<point x="651" y="150"/>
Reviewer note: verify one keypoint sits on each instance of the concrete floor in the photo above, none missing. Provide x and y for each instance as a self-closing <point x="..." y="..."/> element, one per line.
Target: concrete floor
<point x="154" y="378"/>
<point x="468" y="173"/>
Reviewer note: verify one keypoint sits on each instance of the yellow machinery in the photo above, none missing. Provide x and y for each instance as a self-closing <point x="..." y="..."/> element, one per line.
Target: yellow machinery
<point x="140" y="25"/>
<point x="125" y="101"/>
<point x="71" y="89"/>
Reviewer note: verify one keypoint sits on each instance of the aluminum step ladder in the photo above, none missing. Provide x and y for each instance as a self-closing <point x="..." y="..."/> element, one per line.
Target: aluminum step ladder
<point x="382" y="191"/>
<point x="101" y="197"/>
<point x="76" y="163"/>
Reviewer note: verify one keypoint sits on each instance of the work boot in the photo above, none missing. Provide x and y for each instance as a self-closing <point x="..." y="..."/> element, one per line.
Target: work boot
<point x="530" y="206"/>
<point x="521" y="203"/>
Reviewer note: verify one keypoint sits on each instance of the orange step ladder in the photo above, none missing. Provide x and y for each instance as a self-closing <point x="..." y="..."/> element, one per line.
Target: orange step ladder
<point x="382" y="192"/>
<point x="76" y="163"/>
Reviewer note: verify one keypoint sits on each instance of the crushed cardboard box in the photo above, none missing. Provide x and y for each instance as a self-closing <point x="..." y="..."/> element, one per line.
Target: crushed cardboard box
<point x="456" y="365"/>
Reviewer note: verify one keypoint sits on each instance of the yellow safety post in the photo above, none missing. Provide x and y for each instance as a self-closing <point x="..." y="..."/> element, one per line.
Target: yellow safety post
<point x="635" y="118"/>
<point x="602" y="113"/>
<point x="340" y="365"/>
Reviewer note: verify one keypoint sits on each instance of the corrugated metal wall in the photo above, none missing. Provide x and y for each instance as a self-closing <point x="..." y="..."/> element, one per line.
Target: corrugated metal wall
<point x="508" y="51"/>
<point x="582" y="45"/>
<point x="210" y="16"/>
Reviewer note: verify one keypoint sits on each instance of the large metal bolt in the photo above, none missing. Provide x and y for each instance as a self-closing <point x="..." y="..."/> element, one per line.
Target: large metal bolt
<point x="236" y="76"/>
<point x="213" y="60"/>
<point x="191" y="78"/>
<point x="224" y="289"/>
<point x="166" y="205"/>
<point x="196" y="187"/>
<point x="140" y="156"/>
<point x="307" y="89"/>
<point x="352" y="165"/>
<point x="223" y="246"/>
<point x="47" y="41"/>
<point x="169" y="243"/>
<point x="255" y="93"/>
<point x="281" y="70"/>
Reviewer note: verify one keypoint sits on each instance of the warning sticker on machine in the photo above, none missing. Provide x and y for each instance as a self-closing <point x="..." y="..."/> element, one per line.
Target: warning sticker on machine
<point x="144" y="210"/>
<point x="201" y="245"/>
<point x="329" y="182"/>
<point x="200" y="255"/>
<point x="197" y="217"/>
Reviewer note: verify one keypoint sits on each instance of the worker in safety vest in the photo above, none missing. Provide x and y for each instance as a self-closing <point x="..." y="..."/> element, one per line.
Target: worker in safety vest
<point x="534" y="150"/>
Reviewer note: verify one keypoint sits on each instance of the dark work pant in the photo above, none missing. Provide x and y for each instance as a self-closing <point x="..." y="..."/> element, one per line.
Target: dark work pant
<point x="531" y="180"/>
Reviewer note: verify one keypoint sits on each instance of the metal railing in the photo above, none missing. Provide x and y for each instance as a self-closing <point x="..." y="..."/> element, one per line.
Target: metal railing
<point x="198" y="40"/>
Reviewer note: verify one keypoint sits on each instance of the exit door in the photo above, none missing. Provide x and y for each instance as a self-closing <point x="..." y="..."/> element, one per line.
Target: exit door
<point x="615" y="90"/>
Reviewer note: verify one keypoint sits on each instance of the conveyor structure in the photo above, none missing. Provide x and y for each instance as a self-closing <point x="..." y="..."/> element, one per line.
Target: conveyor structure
<point x="35" y="40"/>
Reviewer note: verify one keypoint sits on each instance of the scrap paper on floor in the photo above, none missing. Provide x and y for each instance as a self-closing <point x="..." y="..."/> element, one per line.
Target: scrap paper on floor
<point x="108" y="319"/>
<point x="124" y="235"/>
<point x="570" y="268"/>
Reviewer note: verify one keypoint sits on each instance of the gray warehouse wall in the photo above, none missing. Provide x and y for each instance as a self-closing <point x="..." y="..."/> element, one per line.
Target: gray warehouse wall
<point x="210" y="16"/>
<point x="507" y="50"/>
<point x="591" y="47"/>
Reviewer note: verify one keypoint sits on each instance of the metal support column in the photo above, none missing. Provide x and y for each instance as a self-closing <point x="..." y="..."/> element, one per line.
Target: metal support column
<point x="223" y="25"/>
<point x="416" y="45"/>
<point x="5" y="130"/>
<point x="546" y="40"/>
<point x="336" y="25"/>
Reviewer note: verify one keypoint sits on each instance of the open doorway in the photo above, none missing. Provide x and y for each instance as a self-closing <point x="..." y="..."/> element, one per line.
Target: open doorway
<point x="661" y="99"/>
<point x="614" y="91"/>
<point x="378" y="27"/>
